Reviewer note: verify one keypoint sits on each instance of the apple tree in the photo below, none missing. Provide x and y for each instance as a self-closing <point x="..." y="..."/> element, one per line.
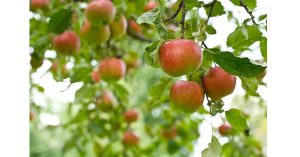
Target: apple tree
<point x="148" y="78"/>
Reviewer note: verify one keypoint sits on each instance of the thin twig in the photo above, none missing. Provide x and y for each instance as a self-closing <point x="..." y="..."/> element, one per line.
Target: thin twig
<point x="176" y="13"/>
<point x="211" y="5"/>
<point x="182" y="19"/>
<point x="248" y="11"/>
<point x="138" y="36"/>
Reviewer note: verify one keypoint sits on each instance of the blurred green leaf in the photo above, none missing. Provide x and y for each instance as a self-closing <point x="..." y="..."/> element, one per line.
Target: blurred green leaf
<point x="214" y="148"/>
<point x="236" y="119"/>
<point x="218" y="9"/>
<point x="60" y="20"/>
<point x="210" y="29"/>
<point x="263" y="48"/>
<point x="151" y="53"/>
<point x="149" y="17"/>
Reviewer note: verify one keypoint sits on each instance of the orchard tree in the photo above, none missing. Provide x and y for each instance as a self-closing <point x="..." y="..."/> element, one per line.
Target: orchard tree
<point x="148" y="79"/>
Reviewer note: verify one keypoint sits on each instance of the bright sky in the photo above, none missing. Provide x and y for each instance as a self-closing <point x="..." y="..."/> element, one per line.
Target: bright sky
<point x="52" y="88"/>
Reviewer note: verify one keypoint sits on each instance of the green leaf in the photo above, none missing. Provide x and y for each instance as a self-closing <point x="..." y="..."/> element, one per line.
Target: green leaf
<point x="236" y="65"/>
<point x="210" y="29"/>
<point x="243" y="37"/>
<point x="251" y="4"/>
<point x="214" y="148"/>
<point x="81" y="73"/>
<point x="60" y="20"/>
<point x="151" y="53"/>
<point x="190" y="4"/>
<point x="218" y="9"/>
<point x="263" y="48"/>
<point x="157" y="90"/>
<point x="250" y="85"/>
<point x="172" y="146"/>
<point x="262" y="17"/>
<point x="85" y="94"/>
<point x="149" y="17"/>
<point x="236" y="119"/>
<point x="121" y="91"/>
<point x="236" y="2"/>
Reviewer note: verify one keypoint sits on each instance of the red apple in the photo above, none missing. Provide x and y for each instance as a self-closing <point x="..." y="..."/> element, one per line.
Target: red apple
<point x="188" y="96"/>
<point x="225" y="129"/>
<point x="96" y="34"/>
<point x="39" y="4"/>
<point x="179" y="57"/>
<point x="112" y="69"/>
<point x="130" y="139"/>
<point x="66" y="43"/>
<point x="118" y="27"/>
<point x="134" y="26"/>
<point x="150" y="5"/>
<point x="95" y="76"/>
<point x="100" y="12"/>
<point x="218" y="83"/>
<point x="131" y="116"/>
<point x="106" y="102"/>
<point x="169" y="133"/>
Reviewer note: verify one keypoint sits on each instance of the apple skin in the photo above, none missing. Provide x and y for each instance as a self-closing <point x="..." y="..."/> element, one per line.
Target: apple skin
<point x="131" y="116"/>
<point x="130" y="139"/>
<point x="39" y="4"/>
<point x="112" y="69"/>
<point x="179" y="57"/>
<point x="187" y="96"/>
<point x="225" y="129"/>
<point x="169" y="133"/>
<point x="118" y="27"/>
<point x="95" y="34"/>
<point x="106" y="102"/>
<point x="218" y="83"/>
<point x="95" y="76"/>
<point x="150" y="5"/>
<point x="133" y="26"/>
<point x="66" y="43"/>
<point x="100" y="12"/>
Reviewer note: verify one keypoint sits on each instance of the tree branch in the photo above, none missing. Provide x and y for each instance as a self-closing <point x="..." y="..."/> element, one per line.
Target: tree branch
<point x="138" y="36"/>
<point x="248" y="11"/>
<point x="182" y="19"/>
<point x="176" y="13"/>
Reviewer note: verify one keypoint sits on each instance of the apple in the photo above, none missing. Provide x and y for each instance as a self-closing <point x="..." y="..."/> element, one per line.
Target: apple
<point x="218" y="83"/>
<point x="118" y="27"/>
<point x="169" y="133"/>
<point x="130" y="139"/>
<point x="178" y="57"/>
<point x="95" y="76"/>
<point x="106" y="101"/>
<point x="100" y="12"/>
<point x="131" y="115"/>
<point x="39" y="4"/>
<point x="66" y="43"/>
<point x="187" y="96"/>
<point x="134" y="26"/>
<point x="225" y="129"/>
<point x="112" y="69"/>
<point x="150" y="5"/>
<point x="96" y="34"/>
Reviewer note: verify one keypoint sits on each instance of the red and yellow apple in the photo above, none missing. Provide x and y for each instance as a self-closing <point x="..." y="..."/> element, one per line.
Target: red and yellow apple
<point x="112" y="69"/>
<point x="169" y="133"/>
<point x="133" y="26"/>
<point x="95" y="34"/>
<point x="100" y="12"/>
<point x="131" y="116"/>
<point x="118" y="27"/>
<point x="66" y="43"/>
<point x="218" y="83"/>
<point x="130" y="139"/>
<point x="179" y="57"/>
<point x="187" y="96"/>
<point x="225" y="129"/>
<point x="150" y="5"/>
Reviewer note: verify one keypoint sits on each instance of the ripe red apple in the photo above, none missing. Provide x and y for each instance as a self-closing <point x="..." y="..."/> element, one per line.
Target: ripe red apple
<point x="112" y="69"/>
<point x="180" y="56"/>
<point x="100" y="12"/>
<point x="130" y="139"/>
<point x="188" y="96"/>
<point x="169" y="133"/>
<point x="131" y="116"/>
<point x="66" y="43"/>
<point x="95" y="76"/>
<point x="39" y="4"/>
<point x="96" y="34"/>
<point x="118" y="27"/>
<point x="225" y="129"/>
<point x="150" y="5"/>
<point x="106" y="102"/>
<point x="218" y="83"/>
<point x="134" y="26"/>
